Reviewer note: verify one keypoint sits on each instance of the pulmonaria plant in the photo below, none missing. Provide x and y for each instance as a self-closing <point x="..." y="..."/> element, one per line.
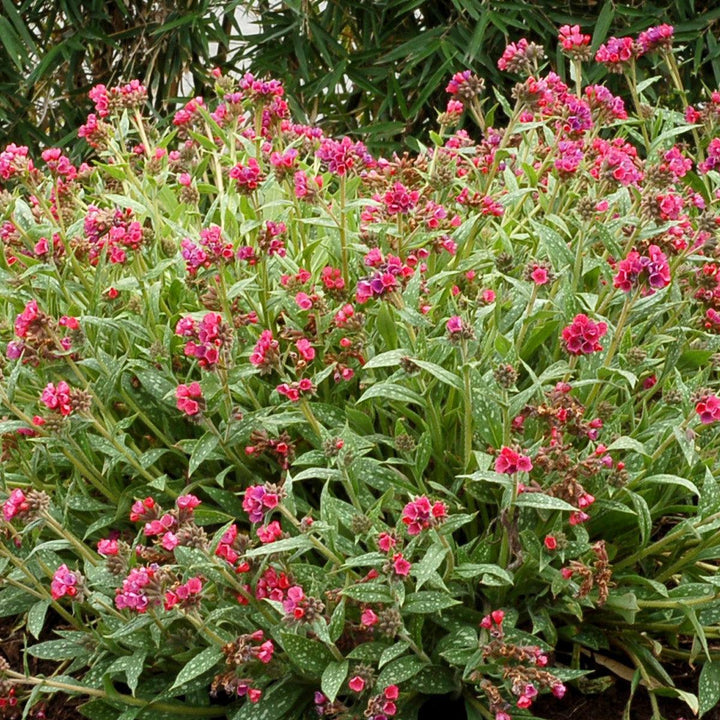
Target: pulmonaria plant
<point x="290" y="426"/>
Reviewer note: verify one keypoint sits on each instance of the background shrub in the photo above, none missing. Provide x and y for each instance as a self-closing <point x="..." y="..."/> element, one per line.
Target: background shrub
<point x="374" y="68"/>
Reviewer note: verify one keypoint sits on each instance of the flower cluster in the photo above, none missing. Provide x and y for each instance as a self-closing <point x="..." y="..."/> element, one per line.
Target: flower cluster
<point x="208" y="339"/>
<point x="420" y="514"/>
<point x="582" y="336"/>
<point x="637" y="270"/>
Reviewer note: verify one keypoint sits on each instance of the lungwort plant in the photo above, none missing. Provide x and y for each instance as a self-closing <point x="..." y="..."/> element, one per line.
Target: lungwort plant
<point x="292" y="431"/>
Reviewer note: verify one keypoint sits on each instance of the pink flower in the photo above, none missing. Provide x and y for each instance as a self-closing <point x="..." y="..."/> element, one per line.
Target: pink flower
<point x="143" y="509"/>
<point x="386" y="542"/>
<point x="509" y="461"/>
<point x="305" y="349"/>
<point x="170" y="541"/>
<point x="634" y="269"/>
<point x="188" y="502"/>
<point x="368" y="618"/>
<point x="107" y="547"/>
<point x="572" y="40"/>
<point x="582" y="335"/>
<point x="391" y="692"/>
<point x="550" y="542"/>
<point x="356" y="684"/>
<point x="58" y="398"/>
<point x="15" y="504"/>
<point x="188" y="397"/>
<point x="539" y="275"/>
<point x="659" y="37"/>
<point x="293" y="601"/>
<point x="270" y="532"/>
<point x="400" y="565"/>
<point x="258" y="500"/>
<point x="708" y="408"/>
<point x="264" y="652"/>
<point x="420" y="515"/>
<point x="185" y="595"/>
<point x="64" y="582"/>
<point x="454" y="325"/>
<point x="616" y="54"/>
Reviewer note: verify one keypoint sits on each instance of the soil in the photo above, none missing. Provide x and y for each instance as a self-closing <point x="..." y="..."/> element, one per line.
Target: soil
<point x="609" y="704"/>
<point x="51" y="707"/>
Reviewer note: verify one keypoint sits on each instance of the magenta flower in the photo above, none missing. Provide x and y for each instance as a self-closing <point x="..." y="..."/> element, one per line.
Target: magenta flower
<point x="616" y="54"/>
<point x="107" y="547"/>
<point x="573" y="41"/>
<point x="582" y="335"/>
<point x="510" y="462"/>
<point x="247" y="177"/>
<point x="58" y="398"/>
<point x="708" y="409"/>
<point x="189" y="398"/>
<point x="655" y="38"/>
<point x="356" y="684"/>
<point x="188" y="502"/>
<point x="420" y="515"/>
<point x="16" y="504"/>
<point x="399" y="200"/>
<point x="64" y="582"/>
<point x="401" y="566"/>
<point x="368" y="618"/>
<point x="635" y="268"/>
<point x="258" y="501"/>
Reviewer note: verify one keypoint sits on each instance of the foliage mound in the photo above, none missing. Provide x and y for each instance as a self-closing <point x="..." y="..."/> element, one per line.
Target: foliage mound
<point x="291" y="430"/>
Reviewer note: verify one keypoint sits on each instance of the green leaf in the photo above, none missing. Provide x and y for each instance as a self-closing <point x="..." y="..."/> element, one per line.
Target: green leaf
<point x="604" y="20"/>
<point x="399" y="670"/>
<point x="392" y="652"/>
<point x="391" y="391"/>
<point x="299" y="542"/>
<point x="556" y="248"/>
<point x="625" y="605"/>
<point x="386" y="359"/>
<point x="132" y="666"/>
<point x="310" y="656"/>
<point x="281" y="701"/>
<point x="337" y="621"/>
<point x="203" y="448"/>
<point x="709" y="686"/>
<point x="64" y="649"/>
<point x="202" y="662"/>
<point x="430" y="562"/>
<point x="672" y="480"/>
<point x="443" y="375"/>
<point x="628" y="443"/>
<point x="543" y="502"/>
<point x="333" y="677"/>
<point x="467" y="571"/>
<point x="36" y="617"/>
<point x="425" y="602"/>
<point x="369" y="592"/>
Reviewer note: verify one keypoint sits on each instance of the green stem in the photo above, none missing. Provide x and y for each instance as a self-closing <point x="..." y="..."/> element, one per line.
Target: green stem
<point x="161" y="707"/>
<point x="615" y="344"/>
<point x="468" y="410"/>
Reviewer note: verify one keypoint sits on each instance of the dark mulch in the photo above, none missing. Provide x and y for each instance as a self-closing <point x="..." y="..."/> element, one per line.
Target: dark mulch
<point x="607" y="705"/>
<point x="51" y="707"/>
